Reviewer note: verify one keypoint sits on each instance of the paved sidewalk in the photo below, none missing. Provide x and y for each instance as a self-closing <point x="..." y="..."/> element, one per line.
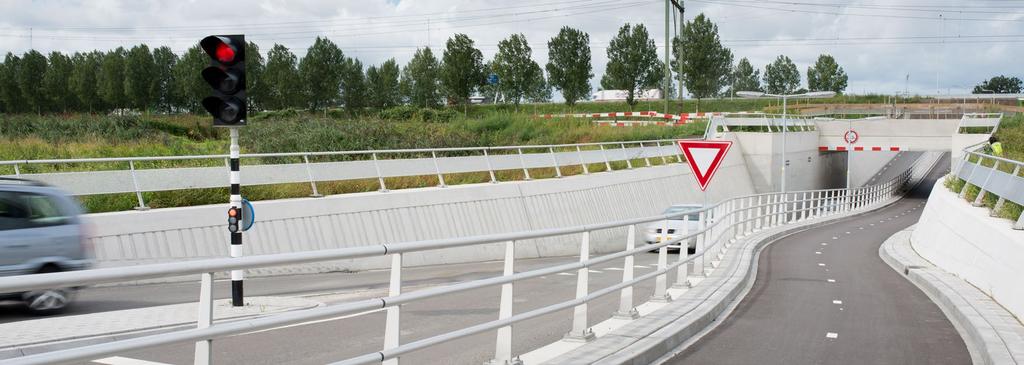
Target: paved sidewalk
<point x="992" y="334"/>
<point x="55" y="329"/>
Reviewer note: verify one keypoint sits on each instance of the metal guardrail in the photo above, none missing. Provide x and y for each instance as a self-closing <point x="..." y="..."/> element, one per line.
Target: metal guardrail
<point x="772" y="122"/>
<point x="1007" y="186"/>
<point x="720" y="224"/>
<point x="370" y="164"/>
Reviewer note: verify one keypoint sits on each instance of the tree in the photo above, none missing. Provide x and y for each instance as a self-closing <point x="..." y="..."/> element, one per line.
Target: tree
<point x="320" y="72"/>
<point x="461" y="69"/>
<point x="10" y="92"/>
<point x="745" y="78"/>
<point x="255" y="85"/>
<point x="489" y="91"/>
<point x="420" y="79"/>
<point x="382" y="85"/>
<point x="353" y="86"/>
<point x="705" y="63"/>
<point x="139" y="77"/>
<point x="82" y="82"/>
<point x="826" y="75"/>
<point x="569" y="68"/>
<point x="1000" y="85"/>
<point x="538" y="90"/>
<point x="281" y="78"/>
<point x="517" y="72"/>
<point x="163" y="83"/>
<point x="110" y="81"/>
<point x="189" y="86"/>
<point x="55" y="82"/>
<point x="632" y="63"/>
<point x="781" y="76"/>
<point x="30" y="80"/>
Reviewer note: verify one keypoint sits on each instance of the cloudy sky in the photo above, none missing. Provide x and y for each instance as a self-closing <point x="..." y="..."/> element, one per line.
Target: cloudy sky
<point x="945" y="46"/>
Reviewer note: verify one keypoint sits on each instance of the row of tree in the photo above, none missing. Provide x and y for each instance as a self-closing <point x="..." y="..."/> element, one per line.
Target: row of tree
<point x="158" y="79"/>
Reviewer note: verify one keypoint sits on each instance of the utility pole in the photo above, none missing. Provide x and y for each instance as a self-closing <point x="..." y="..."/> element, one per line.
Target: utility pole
<point x="679" y="66"/>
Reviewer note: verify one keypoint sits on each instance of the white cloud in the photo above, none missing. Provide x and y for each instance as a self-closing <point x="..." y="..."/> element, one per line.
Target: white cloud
<point x="375" y="30"/>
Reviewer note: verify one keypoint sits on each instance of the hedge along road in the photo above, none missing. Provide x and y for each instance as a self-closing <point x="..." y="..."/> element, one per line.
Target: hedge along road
<point x="824" y="296"/>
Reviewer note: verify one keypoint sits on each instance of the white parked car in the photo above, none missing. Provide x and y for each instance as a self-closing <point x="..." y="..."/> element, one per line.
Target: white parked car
<point x="691" y="223"/>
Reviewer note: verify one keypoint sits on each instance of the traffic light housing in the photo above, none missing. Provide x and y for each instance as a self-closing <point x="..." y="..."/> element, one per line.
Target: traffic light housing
<point x="226" y="75"/>
<point x="234" y="216"/>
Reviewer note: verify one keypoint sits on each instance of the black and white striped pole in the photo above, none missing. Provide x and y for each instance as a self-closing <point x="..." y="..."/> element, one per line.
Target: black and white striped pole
<point x="226" y="74"/>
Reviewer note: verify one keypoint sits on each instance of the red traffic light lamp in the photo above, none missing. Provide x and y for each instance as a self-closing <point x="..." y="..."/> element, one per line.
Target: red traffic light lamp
<point x="226" y="75"/>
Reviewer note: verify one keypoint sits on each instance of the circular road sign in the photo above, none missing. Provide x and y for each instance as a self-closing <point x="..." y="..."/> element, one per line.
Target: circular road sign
<point x="851" y="136"/>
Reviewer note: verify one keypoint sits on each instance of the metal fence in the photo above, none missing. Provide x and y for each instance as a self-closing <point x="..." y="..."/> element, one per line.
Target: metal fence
<point x="127" y="177"/>
<point x="720" y="225"/>
<point x="773" y="123"/>
<point x="991" y="179"/>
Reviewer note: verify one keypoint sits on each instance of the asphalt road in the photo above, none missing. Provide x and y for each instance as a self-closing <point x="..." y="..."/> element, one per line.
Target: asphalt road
<point x="824" y="296"/>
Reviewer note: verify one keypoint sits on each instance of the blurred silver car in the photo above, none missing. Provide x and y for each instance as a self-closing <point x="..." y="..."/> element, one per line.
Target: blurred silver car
<point x="40" y="232"/>
<point x="691" y="222"/>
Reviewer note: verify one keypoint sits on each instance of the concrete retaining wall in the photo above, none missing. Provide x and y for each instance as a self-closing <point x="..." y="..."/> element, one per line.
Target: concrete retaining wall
<point x="352" y="220"/>
<point x="808" y="168"/>
<point x="965" y="241"/>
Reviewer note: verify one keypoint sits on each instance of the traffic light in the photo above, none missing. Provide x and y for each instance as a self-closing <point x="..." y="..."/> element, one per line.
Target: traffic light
<point x="226" y="75"/>
<point x="234" y="216"/>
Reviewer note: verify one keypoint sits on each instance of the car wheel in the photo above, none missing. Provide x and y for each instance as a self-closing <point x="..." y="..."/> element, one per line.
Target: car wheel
<point x="48" y="301"/>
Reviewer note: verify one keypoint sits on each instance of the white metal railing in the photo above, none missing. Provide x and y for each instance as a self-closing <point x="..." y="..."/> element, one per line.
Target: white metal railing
<point x="772" y="122"/>
<point x="720" y="224"/>
<point x="368" y="164"/>
<point x="990" y="179"/>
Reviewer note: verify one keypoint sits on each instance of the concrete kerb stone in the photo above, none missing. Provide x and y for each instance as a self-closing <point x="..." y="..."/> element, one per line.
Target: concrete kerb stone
<point x="992" y="334"/>
<point x="56" y="333"/>
<point x="648" y="339"/>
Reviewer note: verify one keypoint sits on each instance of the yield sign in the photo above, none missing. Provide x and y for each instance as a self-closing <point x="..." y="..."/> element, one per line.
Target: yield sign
<point x="704" y="158"/>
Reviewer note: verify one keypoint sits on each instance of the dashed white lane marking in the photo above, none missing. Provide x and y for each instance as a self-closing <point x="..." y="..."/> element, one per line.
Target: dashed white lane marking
<point x="831" y="335"/>
<point x="817" y="252"/>
<point x="118" y="360"/>
<point x="544" y="277"/>
<point x="564" y="274"/>
<point x="860" y="227"/>
<point x="837" y="302"/>
<point x="821" y="264"/>
<point x="614" y="269"/>
<point x="847" y="232"/>
<point x="835" y="238"/>
<point x="831" y="280"/>
<point x="824" y="243"/>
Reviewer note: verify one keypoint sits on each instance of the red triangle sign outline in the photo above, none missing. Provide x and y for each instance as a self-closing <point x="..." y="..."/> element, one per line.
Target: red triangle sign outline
<point x="704" y="177"/>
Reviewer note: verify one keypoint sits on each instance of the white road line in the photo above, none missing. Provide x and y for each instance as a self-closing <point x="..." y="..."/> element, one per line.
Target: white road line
<point x="817" y="252"/>
<point x="640" y="266"/>
<point x="847" y="232"/>
<point x="824" y="243"/>
<point x="118" y="360"/>
<point x="564" y="274"/>
<point x="831" y="335"/>
<point x="835" y="238"/>
<point x="596" y="271"/>
<point x="831" y="280"/>
<point x="821" y="264"/>
<point x="860" y="228"/>
<point x="837" y="302"/>
<point x="614" y="269"/>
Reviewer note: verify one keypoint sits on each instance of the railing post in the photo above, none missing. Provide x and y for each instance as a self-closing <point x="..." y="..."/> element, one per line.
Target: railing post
<point x="17" y="172"/>
<point x="393" y="328"/>
<point x="558" y="171"/>
<point x="759" y="221"/>
<point x="309" y="173"/>
<point x="490" y="169"/>
<point x="503" y="349"/>
<point x="629" y="164"/>
<point x="684" y="252"/>
<point x="135" y="183"/>
<point x="643" y="152"/>
<point x="1001" y="201"/>
<point x="204" y="348"/>
<point x="664" y="161"/>
<point x="661" y="281"/>
<point x="607" y="163"/>
<point x="698" y="262"/>
<point x="981" y="193"/>
<point x="581" y="331"/>
<point x="967" y="182"/>
<point x="1020" y="223"/>
<point x="803" y="206"/>
<point x="437" y="169"/>
<point x="522" y="161"/>
<point x="626" y="308"/>
<point x="380" y="176"/>
<point x="583" y="163"/>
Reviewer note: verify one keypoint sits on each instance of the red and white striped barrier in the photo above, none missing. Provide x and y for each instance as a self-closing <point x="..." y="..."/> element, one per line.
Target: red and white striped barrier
<point x="677" y="118"/>
<point x="861" y="148"/>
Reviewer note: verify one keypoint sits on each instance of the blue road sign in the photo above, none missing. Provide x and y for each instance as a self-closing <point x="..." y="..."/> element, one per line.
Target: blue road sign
<point x="248" y="214"/>
<point x="492" y="79"/>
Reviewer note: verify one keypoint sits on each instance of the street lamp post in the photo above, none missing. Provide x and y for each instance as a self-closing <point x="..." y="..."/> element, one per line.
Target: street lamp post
<point x="785" y="120"/>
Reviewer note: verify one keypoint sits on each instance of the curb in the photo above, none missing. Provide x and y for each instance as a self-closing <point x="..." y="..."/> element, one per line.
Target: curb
<point x="992" y="335"/>
<point x="654" y="337"/>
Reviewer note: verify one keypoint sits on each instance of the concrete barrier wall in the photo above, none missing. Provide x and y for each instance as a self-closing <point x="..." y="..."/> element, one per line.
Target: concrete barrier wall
<point x="965" y="241"/>
<point x="352" y="220"/>
<point x="808" y="168"/>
